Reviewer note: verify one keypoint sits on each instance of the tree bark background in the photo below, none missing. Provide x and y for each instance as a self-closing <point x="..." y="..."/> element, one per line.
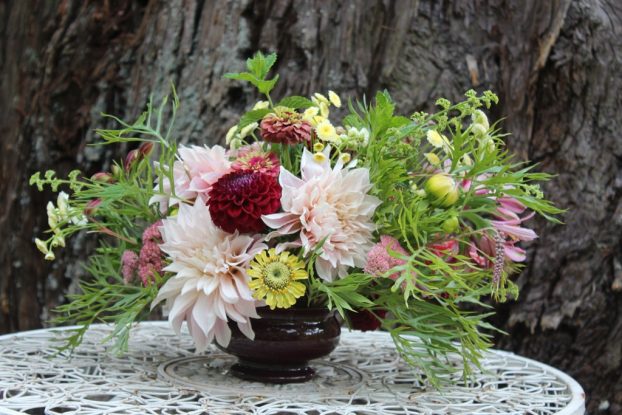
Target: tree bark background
<point x="555" y="64"/>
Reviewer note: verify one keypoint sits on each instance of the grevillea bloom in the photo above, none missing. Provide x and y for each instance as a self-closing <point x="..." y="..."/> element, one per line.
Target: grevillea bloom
<point x="197" y="169"/>
<point x="238" y="199"/>
<point x="210" y="285"/>
<point x="330" y="206"/>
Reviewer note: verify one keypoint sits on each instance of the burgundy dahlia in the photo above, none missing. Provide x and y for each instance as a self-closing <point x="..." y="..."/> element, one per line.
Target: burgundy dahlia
<point x="365" y="320"/>
<point x="285" y="127"/>
<point x="238" y="199"/>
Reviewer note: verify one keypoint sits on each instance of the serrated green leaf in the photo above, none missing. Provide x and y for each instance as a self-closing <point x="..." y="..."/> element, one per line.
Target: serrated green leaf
<point x="252" y="116"/>
<point x="295" y="102"/>
<point x="260" y="64"/>
<point x="265" y="86"/>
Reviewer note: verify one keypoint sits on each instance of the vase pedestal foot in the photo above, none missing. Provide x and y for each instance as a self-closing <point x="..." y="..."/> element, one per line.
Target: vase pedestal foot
<point x="271" y="373"/>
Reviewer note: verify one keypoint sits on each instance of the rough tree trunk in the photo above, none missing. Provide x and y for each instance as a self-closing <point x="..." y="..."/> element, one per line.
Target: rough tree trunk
<point x="555" y="64"/>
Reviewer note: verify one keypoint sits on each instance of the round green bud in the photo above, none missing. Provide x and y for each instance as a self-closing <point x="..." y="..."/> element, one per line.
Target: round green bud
<point x="451" y="224"/>
<point x="442" y="189"/>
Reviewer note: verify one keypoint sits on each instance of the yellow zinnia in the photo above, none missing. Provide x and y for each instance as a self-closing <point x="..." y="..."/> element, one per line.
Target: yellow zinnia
<point x="274" y="278"/>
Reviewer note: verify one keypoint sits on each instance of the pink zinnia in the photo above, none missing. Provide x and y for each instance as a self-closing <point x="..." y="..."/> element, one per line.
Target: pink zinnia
<point x="285" y="127"/>
<point x="254" y="158"/>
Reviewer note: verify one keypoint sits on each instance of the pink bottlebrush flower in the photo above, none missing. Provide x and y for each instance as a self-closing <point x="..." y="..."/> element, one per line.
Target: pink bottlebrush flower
<point x="382" y="257"/>
<point x="150" y="258"/>
<point x="129" y="265"/>
<point x="149" y="262"/>
<point x="152" y="233"/>
<point x="329" y="206"/>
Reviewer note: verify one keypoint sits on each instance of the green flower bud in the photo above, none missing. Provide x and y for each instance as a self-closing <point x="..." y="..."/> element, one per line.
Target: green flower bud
<point x="451" y="224"/>
<point x="443" y="189"/>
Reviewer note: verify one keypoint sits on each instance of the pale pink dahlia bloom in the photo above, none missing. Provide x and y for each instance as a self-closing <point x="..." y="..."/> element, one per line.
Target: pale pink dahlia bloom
<point x="197" y="169"/>
<point x="330" y="205"/>
<point x="211" y="285"/>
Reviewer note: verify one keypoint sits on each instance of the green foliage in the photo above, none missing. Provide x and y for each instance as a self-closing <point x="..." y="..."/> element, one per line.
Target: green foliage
<point x="430" y="294"/>
<point x="258" y="67"/>
<point x="295" y="102"/>
<point x="121" y="215"/>
<point x="430" y="298"/>
<point x="252" y="116"/>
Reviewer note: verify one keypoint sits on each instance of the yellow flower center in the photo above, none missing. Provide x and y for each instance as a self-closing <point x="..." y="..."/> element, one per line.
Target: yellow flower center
<point x="276" y="275"/>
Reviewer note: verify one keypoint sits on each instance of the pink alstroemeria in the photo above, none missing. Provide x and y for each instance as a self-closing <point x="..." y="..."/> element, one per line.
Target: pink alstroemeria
<point x="508" y="224"/>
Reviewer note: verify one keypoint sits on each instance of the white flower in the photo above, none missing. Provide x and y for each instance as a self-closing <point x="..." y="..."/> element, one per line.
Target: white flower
<point x="244" y="132"/>
<point x="230" y="134"/>
<point x="261" y="105"/>
<point x="434" y="138"/>
<point x="319" y="98"/>
<point x="310" y="113"/>
<point x="479" y="117"/>
<point x="326" y="131"/>
<point x="210" y="286"/>
<point x="334" y="99"/>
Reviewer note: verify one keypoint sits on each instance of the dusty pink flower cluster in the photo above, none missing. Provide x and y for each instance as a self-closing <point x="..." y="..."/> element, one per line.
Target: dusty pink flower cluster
<point x="148" y="262"/>
<point x="383" y="256"/>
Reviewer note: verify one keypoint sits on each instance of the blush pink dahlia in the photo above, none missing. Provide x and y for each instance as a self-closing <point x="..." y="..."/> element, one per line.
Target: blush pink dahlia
<point x="238" y="199"/>
<point x="329" y="205"/>
<point x="197" y="169"/>
<point x="210" y="285"/>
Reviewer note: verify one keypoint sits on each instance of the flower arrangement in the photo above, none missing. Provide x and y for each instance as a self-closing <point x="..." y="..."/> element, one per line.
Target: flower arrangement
<point x="399" y="223"/>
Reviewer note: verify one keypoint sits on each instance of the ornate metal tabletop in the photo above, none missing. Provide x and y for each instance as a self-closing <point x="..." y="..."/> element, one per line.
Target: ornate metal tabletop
<point x="161" y="375"/>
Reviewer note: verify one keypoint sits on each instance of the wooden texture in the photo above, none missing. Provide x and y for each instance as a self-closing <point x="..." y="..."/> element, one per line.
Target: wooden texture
<point x="555" y="64"/>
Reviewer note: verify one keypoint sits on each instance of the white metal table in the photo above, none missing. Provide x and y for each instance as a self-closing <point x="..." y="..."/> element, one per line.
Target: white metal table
<point x="161" y="375"/>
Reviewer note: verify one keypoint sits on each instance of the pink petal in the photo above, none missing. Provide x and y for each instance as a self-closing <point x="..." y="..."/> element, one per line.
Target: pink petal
<point x="511" y="204"/>
<point x="515" y="253"/>
<point x="524" y="234"/>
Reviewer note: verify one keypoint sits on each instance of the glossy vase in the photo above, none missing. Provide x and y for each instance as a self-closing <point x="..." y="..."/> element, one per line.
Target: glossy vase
<point x="285" y="341"/>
